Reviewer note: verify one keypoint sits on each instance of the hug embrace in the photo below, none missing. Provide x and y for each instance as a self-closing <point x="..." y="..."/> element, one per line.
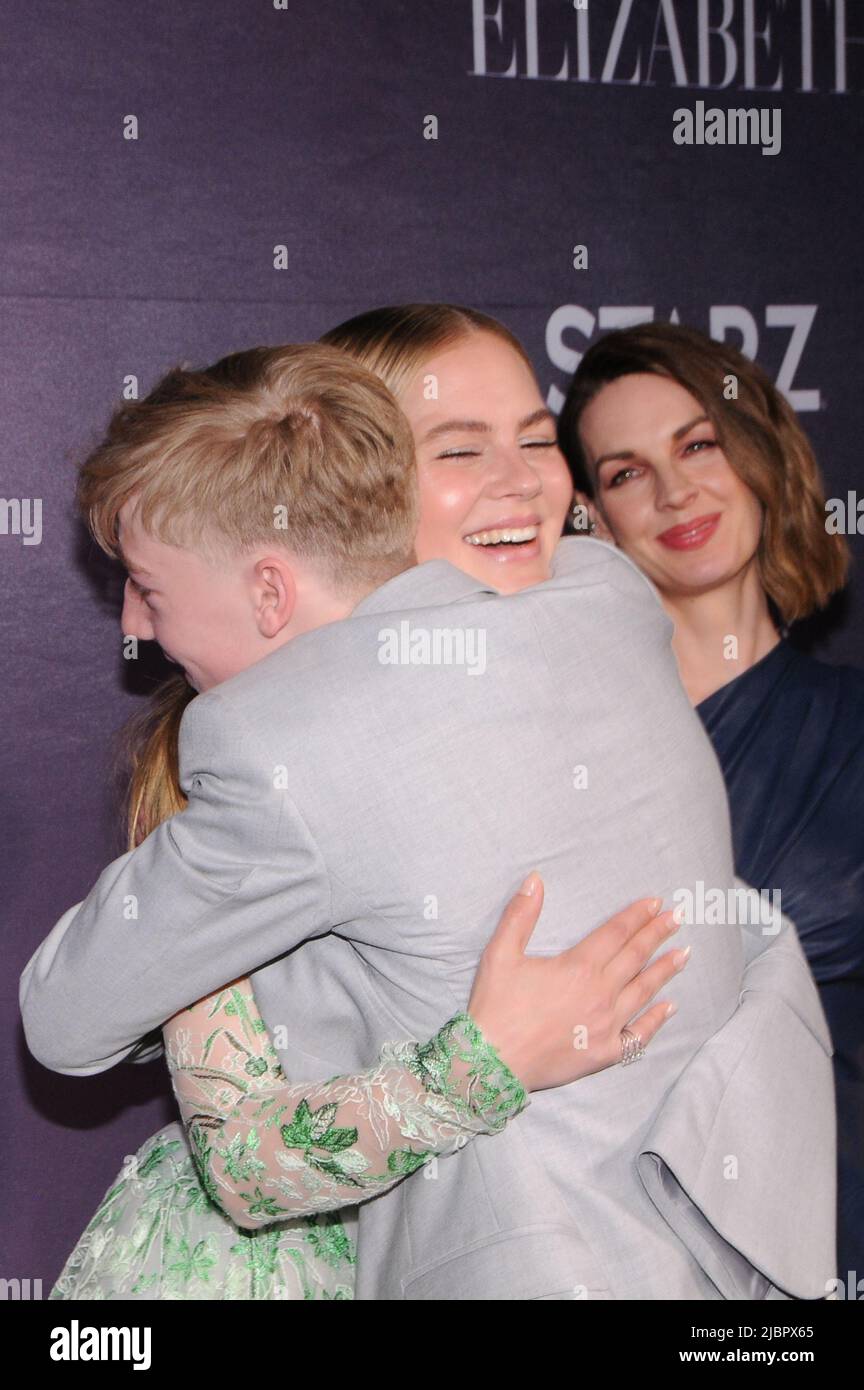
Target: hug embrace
<point x="402" y="929"/>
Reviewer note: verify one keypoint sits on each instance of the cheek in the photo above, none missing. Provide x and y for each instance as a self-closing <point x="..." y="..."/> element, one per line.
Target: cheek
<point x="446" y="500"/>
<point x="558" y="491"/>
<point x="752" y="529"/>
<point x="744" y="506"/>
<point x="629" y="515"/>
<point x="196" y="634"/>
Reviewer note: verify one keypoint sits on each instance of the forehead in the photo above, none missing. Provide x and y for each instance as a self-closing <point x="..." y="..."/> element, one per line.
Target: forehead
<point x="137" y="548"/>
<point x="480" y="378"/>
<point x="640" y="406"/>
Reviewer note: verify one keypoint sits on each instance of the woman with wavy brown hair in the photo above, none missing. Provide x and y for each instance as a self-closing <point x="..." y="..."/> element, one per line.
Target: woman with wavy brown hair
<point x="685" y="454"/>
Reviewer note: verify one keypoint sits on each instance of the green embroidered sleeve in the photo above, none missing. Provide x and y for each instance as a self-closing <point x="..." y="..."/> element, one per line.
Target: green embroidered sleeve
<point x="267" y="1150"/>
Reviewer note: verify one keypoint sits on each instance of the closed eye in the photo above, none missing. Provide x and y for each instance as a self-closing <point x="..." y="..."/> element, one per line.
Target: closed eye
<point x="141" y="592"/>
<point x="463" y="452"/>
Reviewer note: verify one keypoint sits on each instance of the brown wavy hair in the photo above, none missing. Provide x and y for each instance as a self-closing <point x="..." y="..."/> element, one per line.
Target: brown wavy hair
<point x="800" y="564"/>
<point x="149" y="760"/>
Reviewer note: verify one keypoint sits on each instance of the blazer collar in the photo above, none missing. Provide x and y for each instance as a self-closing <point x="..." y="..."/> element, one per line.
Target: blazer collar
<point x="429" y="585"/>
<point x="437" y="582"/>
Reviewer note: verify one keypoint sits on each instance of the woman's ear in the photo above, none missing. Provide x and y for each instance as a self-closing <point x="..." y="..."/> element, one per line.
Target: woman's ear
<point x="585" y="518"/>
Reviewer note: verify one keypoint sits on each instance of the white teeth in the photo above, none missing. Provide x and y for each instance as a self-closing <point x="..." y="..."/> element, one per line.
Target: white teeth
<point x="524" y="533"/>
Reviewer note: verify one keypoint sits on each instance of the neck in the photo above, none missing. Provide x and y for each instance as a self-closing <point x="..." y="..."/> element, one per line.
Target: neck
<point x="317" y="610"/>
<point x="721" y="633"/>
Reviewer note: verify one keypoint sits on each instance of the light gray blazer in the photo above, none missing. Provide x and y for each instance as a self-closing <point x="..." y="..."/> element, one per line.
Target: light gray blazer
<point x="386" y="809"/>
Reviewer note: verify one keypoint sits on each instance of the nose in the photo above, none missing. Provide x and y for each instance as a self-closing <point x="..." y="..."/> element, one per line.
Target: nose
<point x="512" y="474"/>
<point x="675" y="487"/>
<point x="134" y="619"/>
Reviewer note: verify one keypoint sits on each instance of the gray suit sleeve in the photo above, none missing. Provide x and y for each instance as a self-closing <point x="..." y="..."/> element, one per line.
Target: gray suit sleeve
<point x="227" y="885"/>
<point x="713" y="1172"/>
<point x="775" y="964"/>
<point x="148" y="1049"/>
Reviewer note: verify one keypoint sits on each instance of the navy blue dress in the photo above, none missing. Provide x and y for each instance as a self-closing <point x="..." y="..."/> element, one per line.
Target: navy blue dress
<point x="789" y="734"/>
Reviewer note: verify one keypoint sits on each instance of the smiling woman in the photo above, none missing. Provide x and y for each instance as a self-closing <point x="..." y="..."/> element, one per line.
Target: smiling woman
<point x="676" y="407"/>
<point x="494" y="486"/>
<point x="672" y="488"/>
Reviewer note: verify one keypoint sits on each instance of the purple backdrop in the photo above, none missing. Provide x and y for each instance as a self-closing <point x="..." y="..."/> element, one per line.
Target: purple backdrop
<point x="155" y="154"/>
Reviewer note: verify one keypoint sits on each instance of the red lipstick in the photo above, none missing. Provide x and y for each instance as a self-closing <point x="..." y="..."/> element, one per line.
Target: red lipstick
<point x="690" y="535"/>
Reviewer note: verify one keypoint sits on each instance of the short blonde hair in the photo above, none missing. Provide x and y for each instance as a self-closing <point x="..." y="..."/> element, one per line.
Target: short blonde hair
<point x="294" y="445"/>
<point x="396" y="340"/>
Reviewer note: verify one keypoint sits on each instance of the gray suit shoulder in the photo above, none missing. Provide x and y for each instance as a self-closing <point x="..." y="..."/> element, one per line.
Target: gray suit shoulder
<point x="326" y="668"/>
<point x="583" y="556"/>
<point x="581" y="560"/>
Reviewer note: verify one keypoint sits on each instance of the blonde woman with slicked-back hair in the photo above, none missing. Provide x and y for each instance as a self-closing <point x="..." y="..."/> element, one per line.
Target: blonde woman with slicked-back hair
<point x="242" y="1201"/>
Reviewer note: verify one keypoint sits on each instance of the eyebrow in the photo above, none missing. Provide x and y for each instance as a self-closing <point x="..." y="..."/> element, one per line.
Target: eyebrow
<point x="676" y="435"/>
<point x="481" y="427"/>
<point x="130" y="564"/>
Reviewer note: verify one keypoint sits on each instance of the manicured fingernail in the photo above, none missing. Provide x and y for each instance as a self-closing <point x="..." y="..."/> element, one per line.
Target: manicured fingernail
<point x="654" y="906"/>
<point x="684" y="956"/>
<point x="679" y="913"/>
<point x="529" y="887"/>
<point x="671" y="1009"/>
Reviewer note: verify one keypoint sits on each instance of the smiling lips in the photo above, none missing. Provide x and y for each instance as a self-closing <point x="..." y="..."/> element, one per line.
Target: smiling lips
<point x="513" y="538"/>
<point x="690" y="534"/>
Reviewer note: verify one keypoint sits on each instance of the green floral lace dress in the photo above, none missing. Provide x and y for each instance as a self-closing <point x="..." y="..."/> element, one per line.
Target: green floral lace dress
<point x="254" y="1194"/>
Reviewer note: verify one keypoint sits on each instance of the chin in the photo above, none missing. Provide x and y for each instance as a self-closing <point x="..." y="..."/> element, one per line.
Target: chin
<point x="511" y="574"/>
<point x="706" y="576"/>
